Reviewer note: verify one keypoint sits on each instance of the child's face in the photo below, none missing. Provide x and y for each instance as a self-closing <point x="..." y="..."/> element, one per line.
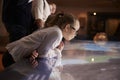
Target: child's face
<point x="71" y="31"/>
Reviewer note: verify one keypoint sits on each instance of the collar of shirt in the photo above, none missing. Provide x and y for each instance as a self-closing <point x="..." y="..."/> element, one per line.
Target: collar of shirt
<point x="30" y="1"/>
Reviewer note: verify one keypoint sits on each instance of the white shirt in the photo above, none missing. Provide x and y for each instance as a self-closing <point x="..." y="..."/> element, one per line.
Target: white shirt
<point x="40" y="9"/>
<point x="44" y="41"/>
<point x="30" y="1"/>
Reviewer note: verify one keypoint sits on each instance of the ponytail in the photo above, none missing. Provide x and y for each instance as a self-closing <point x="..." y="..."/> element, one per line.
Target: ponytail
<point x="60" y="19"/>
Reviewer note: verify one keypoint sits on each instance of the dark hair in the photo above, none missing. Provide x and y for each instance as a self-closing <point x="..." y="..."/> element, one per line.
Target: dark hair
<point x="60" y="20"/>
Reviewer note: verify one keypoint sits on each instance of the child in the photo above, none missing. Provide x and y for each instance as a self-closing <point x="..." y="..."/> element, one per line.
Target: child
<point x="45" y="42"/>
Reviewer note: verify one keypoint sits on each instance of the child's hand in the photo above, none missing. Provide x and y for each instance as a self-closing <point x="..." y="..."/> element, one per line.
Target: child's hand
<point x="61" y="46"/>
<point x="33" y="60"/>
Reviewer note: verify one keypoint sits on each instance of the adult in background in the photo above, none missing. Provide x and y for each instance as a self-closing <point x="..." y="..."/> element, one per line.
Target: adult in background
<point x="41" y="11"/>
<point x="17" y="18"/>
<point x="53" y="8"/>
<point x="51" y="16"/>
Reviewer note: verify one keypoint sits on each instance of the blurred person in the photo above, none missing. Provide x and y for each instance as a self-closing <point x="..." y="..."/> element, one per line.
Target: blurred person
<point x="17" y="18"/>
<point x="51" y="16"/>
<point x="53" y="8"/>
<point x="47" y="43"/>
<point x="41" y="11"/>
<point x="100" y="38"/>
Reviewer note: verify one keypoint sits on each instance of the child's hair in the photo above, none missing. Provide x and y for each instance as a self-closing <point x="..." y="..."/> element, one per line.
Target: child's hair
<point x="60" y="20"/>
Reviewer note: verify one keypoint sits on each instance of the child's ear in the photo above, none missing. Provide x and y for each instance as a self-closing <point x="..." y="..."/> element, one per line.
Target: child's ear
<point x="67" y="27"/>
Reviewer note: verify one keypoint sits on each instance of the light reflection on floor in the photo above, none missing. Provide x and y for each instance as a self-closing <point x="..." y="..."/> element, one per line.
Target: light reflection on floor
<point x="85" y="60"/>
<point x="80" y="52"/>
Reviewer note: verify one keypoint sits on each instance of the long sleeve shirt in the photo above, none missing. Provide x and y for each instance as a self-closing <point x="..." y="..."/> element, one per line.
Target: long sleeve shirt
<point x="44" y="41"/>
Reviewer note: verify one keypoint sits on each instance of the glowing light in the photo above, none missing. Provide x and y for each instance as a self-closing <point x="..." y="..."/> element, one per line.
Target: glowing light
<point x="103" y="69"/>
<point x="94" y="13"/>
<point x="92" y="59"/>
